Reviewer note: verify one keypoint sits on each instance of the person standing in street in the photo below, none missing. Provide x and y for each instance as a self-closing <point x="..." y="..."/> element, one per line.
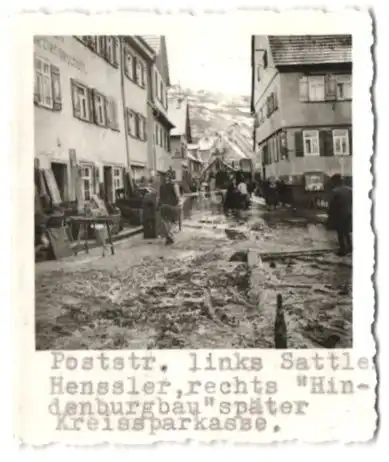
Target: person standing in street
<point x="169" y="200"/>
<point x="340" y="214"/>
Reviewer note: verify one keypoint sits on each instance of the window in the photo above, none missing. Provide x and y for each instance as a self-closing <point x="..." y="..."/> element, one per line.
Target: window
<point x="156" y="84"/>
<point x="316" y="88"/>
<point x="343" y="87"/>
<point x="341" y="142"/>
<point x="140" y="73"/>
<point x="132" y="124"/>
<point x="117" y="178"/>
<point x="156" y="135"/>
<point x="258" y="73"/>
<point x="140" y="127"/>
<point x="111" y="49"/>
<point x="86" y="181"/>
<point x="43" y="84"/>
<point x="81" y="98"/>
<point x="101" y="45"/>
<point x="99" y="101"/>
<point x="161" y="92"/>
<point x="311" y="143"/>
<point x="129" y="66"/>
<point x="112" y="114"/>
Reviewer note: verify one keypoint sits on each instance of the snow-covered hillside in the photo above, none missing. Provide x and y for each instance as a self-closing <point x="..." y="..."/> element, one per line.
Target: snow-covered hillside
<point x="214" y="112"/>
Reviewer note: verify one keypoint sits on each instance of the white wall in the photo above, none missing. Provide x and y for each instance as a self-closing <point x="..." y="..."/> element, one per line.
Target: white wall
<point x="57" y="132"/>
<point x="136" y="99"/>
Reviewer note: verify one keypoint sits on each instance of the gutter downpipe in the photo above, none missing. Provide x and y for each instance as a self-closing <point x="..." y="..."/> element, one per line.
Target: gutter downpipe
<point x="124" y="107"/>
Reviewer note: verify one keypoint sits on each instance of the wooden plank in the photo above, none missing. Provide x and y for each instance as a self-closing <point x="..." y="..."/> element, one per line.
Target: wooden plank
<point x="267" y="256"/>
<point x="60" y="242"/>
<point x="52" y="186"/>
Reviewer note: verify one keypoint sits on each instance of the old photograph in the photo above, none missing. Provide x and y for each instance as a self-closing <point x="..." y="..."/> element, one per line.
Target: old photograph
<point x="193" y="192"/>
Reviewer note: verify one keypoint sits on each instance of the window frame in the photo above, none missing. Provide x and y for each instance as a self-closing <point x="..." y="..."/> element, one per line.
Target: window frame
<point x="311" y="134"/>
<point x="338" y="134"/>
<point x="311" y="79"/>
<point x="132" y="115"/>
<point x="118" y="177"/>
<point x="43" y="75"/>
<point x="79" y="86"/>
<point x="100" y="102"/>
<point x="345" y="80"/>
<point x="89" y="178"/>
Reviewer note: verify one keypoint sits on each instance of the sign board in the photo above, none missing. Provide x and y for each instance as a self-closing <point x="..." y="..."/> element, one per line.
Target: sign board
<point x="314" y="181"/>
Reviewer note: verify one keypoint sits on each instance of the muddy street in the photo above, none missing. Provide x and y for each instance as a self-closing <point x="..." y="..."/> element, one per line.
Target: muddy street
<point x="197" y="293"/>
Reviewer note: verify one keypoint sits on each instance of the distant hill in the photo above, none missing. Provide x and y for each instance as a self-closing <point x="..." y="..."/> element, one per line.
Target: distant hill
<point x="214" y="112"/>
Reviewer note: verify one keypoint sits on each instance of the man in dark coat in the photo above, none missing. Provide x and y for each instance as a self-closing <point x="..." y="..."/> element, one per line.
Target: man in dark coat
<point x="340" y="214"/>
<point x="169" y="199"/>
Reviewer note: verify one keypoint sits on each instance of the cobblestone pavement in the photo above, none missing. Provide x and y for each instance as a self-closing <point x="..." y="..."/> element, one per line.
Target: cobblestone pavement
<point x="189" y="295"/>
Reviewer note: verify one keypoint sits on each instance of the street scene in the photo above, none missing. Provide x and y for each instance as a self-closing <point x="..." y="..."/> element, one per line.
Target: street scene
<point x="182" y="211"/>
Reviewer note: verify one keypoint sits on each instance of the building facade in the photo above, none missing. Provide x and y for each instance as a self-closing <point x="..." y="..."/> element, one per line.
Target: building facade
<point x="95" y="104"/>
<point x="158" y="109"/>
<point x="302" y="99"/>
<point x="180" y="136"/>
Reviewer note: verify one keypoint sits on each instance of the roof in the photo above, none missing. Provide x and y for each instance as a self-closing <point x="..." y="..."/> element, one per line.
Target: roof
<point x="193" y="157"/>
<point x="158" y="44"/>
<point x="206" y="143"/>
<point x="153" y="41"/>
<point x="310" y="49"/>
<point x="192" y="147"/>
<point x="214" y="159"/>
<point x="178" y="111"/>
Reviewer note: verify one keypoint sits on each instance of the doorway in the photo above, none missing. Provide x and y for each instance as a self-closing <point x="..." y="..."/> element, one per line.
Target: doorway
<point x="60" y="173"/>
<point x="108" y="184"/>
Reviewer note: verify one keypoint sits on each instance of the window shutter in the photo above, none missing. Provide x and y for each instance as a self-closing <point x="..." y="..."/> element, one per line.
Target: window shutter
<point x="298" y="144"/>
<point x="91" y="102"/>
<point x="108" y="112"/>
<point x="134" y="69"/>
<point x="275" y="100"/>
<point x="350" y="140"/>
<point x="75" y="100"/>
<point x="329" y="143"/>
<point x="126" y="53"/>
<point x="304" y="90"/>
<point x="56" y="88"/>
<point x="145" y="128"/>
<point x="96" y="177"/>
<point x="330" y="87"/>
<point x="322" y="143"/>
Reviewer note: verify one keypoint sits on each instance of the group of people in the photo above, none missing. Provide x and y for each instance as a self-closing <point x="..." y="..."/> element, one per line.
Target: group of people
<point x="238" y="194"/>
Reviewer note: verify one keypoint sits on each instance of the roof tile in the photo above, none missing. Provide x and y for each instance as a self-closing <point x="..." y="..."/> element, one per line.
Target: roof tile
<point x="310" y="49"/>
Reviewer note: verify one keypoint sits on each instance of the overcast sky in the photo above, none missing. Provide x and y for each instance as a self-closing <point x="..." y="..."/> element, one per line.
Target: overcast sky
<point x="210" y="61"/>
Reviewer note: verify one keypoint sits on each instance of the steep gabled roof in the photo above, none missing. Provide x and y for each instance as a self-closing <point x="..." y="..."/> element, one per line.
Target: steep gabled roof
<point x="158" y="44"/>
<point x="310" y="49"/>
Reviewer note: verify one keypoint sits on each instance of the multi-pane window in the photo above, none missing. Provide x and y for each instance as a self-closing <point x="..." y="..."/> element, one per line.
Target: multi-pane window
<point x="92" y="106"/>
<point x="311" y="143"/>
<point x="329" y="87"/>
<point x="129" y="65"/>
<point x="341" y="142"/>
<point x="43" y="83"/>
<point x="132" y="123"/>
<point x="81" y="99"/>
<point x="140" y="73"/>
<point x="316" y="88"/>
<point x="111" y="49"/>
<point x="117" y="178"/>
<point x="100" y="109"/>
<point x="105" y="46"/>
<point x="343" y="87"/>
<point x="86" y="182"/>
